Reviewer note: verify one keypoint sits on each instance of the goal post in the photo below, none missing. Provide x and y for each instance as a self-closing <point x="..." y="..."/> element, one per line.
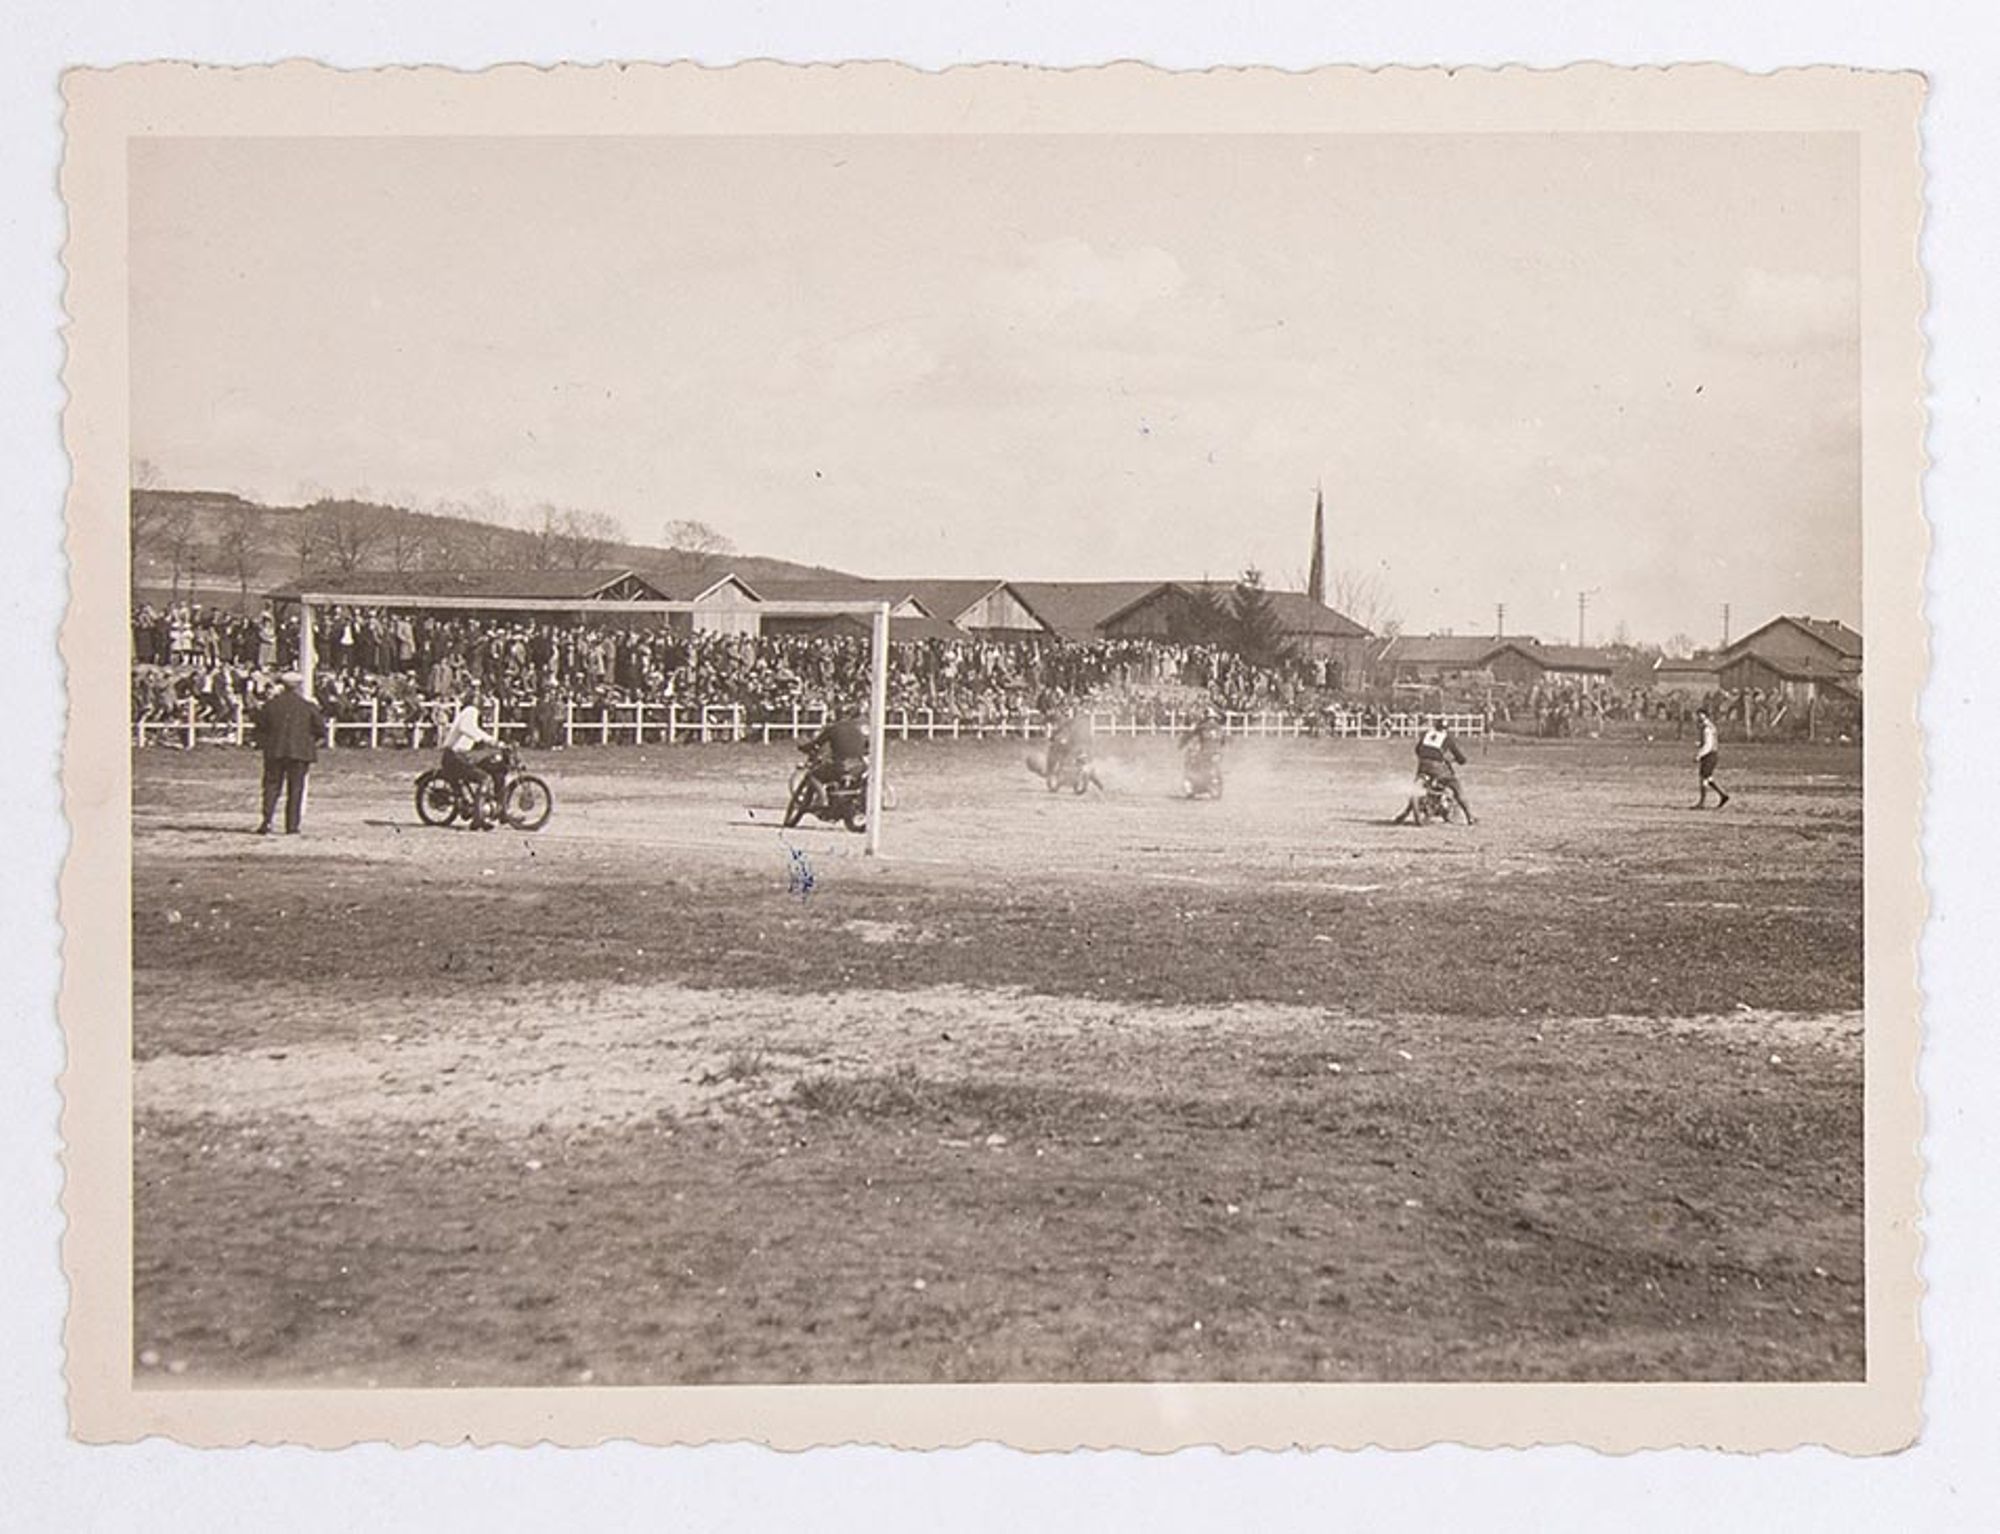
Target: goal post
<point x="308" y="601"/>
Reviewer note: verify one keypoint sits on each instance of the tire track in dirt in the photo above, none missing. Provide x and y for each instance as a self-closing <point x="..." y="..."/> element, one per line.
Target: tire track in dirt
<point x="557" y="1054"/>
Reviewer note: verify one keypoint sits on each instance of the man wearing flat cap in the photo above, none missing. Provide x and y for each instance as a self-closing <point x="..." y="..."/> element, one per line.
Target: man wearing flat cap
<point x="289" y="730"/>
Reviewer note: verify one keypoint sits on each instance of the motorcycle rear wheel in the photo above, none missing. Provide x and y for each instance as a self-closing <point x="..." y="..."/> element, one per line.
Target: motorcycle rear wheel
<point x="437" y="799"/>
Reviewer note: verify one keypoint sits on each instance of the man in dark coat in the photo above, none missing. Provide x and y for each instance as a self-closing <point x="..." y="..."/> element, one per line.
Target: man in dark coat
<point x="289" y="730"/>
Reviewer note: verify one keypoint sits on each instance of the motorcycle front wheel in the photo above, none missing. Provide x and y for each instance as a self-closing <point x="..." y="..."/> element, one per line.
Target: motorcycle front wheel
<point x="529" y="803"/>
<point x="800" y="802"/>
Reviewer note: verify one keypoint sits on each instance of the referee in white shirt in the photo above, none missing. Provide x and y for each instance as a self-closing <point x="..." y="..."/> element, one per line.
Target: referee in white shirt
<point x="1705" y="756"/>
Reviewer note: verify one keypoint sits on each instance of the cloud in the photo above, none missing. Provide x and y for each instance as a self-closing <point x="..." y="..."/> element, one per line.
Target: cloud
<point x="1787" y="312"/>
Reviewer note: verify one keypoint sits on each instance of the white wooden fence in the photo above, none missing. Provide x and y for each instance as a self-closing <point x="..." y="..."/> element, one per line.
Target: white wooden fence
<point x="681" y="724"/>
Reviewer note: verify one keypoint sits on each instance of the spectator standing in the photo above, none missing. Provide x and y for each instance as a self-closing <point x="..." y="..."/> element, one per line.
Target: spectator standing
<point x="289" y="730"/>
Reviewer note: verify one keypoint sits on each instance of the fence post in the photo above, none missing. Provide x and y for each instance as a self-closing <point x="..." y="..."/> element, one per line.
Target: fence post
<point x="239" y="724"/>
<point x="190" y="722"/>
<point x="374" y="724"/>
<point x="569" y="721"/>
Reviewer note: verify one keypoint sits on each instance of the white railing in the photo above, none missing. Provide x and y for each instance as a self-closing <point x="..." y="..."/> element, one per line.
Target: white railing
<point x="681" y="724"/>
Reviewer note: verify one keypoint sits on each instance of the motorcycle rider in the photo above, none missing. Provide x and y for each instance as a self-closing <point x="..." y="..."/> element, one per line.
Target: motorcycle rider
<point x="1201" y="751"/>
<point x="1071" y="735"/>
<point x="1438" y="758"/>
<point x="839" y="753"/>
<point x="469" y="750"/>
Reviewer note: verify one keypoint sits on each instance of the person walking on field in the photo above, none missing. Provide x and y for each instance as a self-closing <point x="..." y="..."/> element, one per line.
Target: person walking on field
<point x="1705" y="755"/>
<point x="289" y="730"/>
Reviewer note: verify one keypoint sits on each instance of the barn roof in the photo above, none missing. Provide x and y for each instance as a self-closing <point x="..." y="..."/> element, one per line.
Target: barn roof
<point x="1076" y="609"/>
<point x="951" y="600"/>
<point x="692" y="585"/>
<point x="1691" y="665"/>
<point x="1568" y="657"/>
<point x="1468" y="650"/>
<point x="1830" y="632"/>
<point x="1296" y="612"/>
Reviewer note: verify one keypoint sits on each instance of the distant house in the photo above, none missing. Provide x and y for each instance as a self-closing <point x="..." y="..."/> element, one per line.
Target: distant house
<point x="1510" y="659"/>
<point x="1823" y="644"/>
<point x="1693" y="675"/>
<point x="1529" y="664"/>
<point x="1439" y="657"/>
<point x="1807" y="660"/>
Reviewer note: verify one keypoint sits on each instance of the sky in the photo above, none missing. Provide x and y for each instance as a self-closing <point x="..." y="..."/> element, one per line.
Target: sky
<point x="1523" y="367"/>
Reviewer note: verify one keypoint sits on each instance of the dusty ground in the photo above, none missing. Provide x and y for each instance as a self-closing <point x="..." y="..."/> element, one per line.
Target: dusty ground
<point x="1116" y="1088"/>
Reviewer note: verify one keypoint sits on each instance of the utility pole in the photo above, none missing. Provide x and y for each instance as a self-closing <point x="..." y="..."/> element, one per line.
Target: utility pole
<point x="1499" y="620"/>
<point x="1725" y="625"/>
<point x="1582" y="608"/>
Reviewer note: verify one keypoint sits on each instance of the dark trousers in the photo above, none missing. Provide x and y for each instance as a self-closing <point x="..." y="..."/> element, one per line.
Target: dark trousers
<point x="282" y="775"/>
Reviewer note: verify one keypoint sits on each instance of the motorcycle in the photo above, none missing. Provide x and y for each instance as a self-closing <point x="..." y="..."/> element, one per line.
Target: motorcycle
<point x="522" y="801"/>
<point x="1201" y="774"/>
<point x="1068" y="767"/>
<point x="843" y="799"/>
<point x="1434" y="802"/>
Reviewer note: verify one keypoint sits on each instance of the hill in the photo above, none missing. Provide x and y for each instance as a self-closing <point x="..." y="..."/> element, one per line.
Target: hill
<point x="227" y="550"/>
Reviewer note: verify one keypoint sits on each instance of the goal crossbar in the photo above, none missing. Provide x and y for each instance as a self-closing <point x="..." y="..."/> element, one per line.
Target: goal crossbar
<point x="878" y="645"/>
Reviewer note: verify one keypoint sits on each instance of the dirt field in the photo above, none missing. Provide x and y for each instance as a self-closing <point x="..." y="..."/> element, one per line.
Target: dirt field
<point x="1104" y="1089"/>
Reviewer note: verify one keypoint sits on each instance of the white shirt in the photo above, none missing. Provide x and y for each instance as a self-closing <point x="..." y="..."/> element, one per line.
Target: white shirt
<point x="464" y="731"/>
<point x="1708" y="739"/>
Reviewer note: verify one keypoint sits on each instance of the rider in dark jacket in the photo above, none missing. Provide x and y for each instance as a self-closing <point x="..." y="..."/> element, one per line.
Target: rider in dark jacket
<point x="839" y="753"/>
<point x="1438" y="760"/>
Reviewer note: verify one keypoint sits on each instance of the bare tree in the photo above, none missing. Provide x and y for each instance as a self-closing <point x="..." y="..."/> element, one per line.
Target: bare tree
<point x="404" y="541"/>
<point x="694" y="547"/>
<point x="303" y="540"/>
<point x="349" y="532"/>
<point x="1365" y="597"/>
<point x="584" y="539"/>
<point x="540" y="543"/>
<point x="1679" y="646"/>
<point x="178" y="535"/>
<point x="239" y="544"/>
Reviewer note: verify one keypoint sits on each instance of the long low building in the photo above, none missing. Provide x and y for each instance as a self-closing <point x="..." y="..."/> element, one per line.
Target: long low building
<point x="1509" y="659"/>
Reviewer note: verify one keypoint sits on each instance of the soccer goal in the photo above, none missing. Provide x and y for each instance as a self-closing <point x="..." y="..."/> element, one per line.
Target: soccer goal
<point x="878" y="646"/>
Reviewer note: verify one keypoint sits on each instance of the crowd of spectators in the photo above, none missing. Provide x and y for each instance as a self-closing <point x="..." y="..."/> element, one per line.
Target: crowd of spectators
<point x="397" y="665"/>
<point x="399" y="668"/>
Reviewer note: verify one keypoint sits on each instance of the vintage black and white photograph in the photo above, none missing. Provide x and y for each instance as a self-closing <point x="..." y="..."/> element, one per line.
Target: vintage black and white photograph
<point x="991" y="757"/>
